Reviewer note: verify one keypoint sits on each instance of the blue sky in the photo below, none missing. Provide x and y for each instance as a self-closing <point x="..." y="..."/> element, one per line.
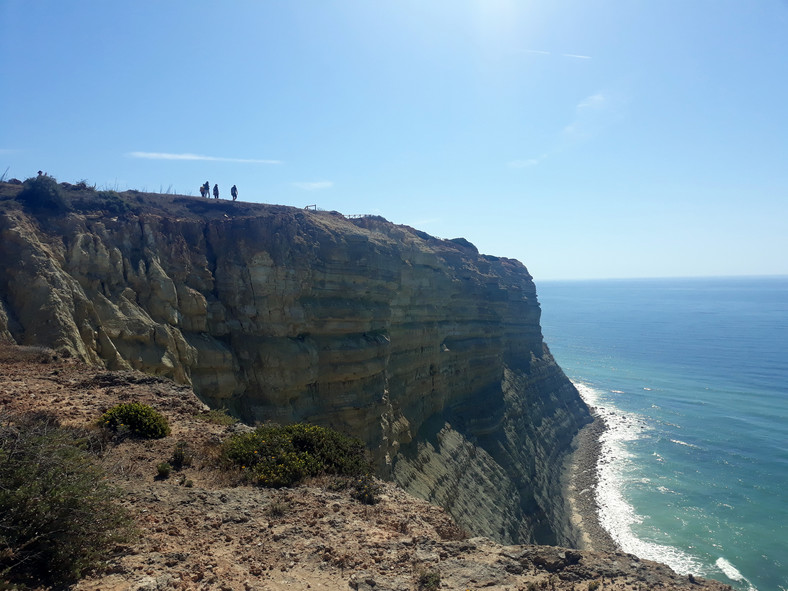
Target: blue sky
<point x="588" y="139"/>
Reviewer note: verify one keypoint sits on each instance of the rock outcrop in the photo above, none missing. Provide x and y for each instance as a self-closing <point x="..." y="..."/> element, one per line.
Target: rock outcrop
<point x="425" y="349"/>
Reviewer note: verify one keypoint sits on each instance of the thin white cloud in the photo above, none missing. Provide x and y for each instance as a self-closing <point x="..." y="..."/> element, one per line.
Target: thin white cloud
<point x="524" y="163"/>
<point x="577" y="56"/>
<point x="192" y="157"/>
<point x="592" y="114"/>
<point x="595" y="101"/>
<point x="314" y="186"/>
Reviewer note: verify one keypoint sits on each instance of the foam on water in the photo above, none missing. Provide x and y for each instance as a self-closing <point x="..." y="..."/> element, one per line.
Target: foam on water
<point x="732" y="572"/>
<point x="679" y="442"/>
<point x="615" y="468"/>
<point x="701" y="362"/>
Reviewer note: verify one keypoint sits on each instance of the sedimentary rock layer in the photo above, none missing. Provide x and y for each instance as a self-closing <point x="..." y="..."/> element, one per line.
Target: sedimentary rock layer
<point x="425" y="349"/>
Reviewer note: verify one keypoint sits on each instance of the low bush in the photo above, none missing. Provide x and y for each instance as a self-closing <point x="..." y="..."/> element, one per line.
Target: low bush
<point x="163" y="470"/>
<point x="181" y="456"/>
<point x="275" y="456"/>
<point x="277" y="509"/>
<point x="219" y="416"/>
<point x="58" y="516"/>
<point x="428" y="580"/>
<point x="366" y="490"/>
<point x="42" y="194"/>
<point x="110" y="202"/>
<point x="139" y="419"/>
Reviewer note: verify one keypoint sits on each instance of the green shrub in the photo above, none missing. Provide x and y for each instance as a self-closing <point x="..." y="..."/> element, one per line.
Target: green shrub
<point x="277" y="509"/>
<point x="181" y="456"/>
<point x="163" y="469"/>
<point x="366" y="490"/>
<point x="428" y="580"/>
<point x="275" y="455"/>
<point x="58" y="516"/>
<point x="140" y="419"/>
<point x="218" y="417"/>
<point x="42" y="194"/>
<point x="110" y="202"/>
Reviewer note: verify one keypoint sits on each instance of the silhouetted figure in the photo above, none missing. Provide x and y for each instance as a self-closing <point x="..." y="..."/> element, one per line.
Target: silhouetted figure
<point x="234" y="192"/>
<point x="40" y="173"/>
<point x="216" y="191"/>
<point x="205" y="190"/>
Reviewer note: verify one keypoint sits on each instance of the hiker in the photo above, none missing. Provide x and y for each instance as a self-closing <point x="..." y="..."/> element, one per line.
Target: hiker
<point x="216" y="191"/>
<point x="204" y="189"/>
<point x="234" y="192"/>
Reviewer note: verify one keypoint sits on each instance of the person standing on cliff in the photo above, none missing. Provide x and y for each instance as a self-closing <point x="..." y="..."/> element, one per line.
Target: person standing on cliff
<point x="216" y="191"/>
<point x="234" y="192"/>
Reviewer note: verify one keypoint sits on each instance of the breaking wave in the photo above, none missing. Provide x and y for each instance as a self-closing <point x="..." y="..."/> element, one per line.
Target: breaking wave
<point x="616" y="467"/>
<point x="732" y="572"/>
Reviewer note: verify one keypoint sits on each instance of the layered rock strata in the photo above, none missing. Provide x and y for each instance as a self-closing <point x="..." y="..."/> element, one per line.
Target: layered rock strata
<point x="425" y="349"/>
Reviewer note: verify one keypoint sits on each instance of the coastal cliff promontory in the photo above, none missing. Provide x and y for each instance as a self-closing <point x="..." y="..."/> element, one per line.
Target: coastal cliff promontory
<point x="427" y="350"/>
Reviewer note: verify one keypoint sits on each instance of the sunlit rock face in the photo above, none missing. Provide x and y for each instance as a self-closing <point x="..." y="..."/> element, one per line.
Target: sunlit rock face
<point x="423" y="348"/>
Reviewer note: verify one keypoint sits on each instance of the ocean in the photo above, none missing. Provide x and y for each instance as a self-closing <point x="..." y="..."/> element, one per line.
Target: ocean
<point x="692" y="378"/>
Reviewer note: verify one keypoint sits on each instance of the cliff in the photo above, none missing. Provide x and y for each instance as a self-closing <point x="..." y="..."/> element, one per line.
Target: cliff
<point x="427" y="350"/>
<point x="202" y="529"/>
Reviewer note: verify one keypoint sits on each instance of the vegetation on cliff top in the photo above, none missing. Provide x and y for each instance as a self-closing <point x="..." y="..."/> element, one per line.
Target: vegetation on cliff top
<point x="58" y="515"/>
<point x="140" y="420"/>
<point x="59" y="518"/>
<point x="43" y="195"/>
<point x="275" y="455"/>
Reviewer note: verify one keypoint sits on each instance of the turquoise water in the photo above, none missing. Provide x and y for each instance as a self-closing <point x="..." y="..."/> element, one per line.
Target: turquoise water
<point x="692" y="376"/>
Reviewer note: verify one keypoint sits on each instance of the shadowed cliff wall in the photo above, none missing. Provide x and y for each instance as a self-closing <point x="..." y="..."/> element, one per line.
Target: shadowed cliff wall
<point x="427" y="350"/>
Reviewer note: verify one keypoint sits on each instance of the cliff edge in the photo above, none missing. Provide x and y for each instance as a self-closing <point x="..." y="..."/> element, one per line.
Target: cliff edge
<point x="201" y="529"/>
<point x="427" y="350"/>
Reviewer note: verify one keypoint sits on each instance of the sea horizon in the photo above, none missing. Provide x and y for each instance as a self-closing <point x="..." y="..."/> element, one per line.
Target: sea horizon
<point x="767" y="276"/>
<point x="689" y="375"/>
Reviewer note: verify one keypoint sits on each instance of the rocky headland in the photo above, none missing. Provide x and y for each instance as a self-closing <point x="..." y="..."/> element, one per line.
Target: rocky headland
<point x="428" y="351"/>
<point x="425" y="349"/>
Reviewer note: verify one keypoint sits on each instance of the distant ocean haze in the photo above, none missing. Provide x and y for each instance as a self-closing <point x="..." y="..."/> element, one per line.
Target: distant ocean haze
<point x="691" y="376"/>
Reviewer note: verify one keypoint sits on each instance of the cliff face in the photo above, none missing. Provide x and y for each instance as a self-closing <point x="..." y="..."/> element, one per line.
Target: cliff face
<point x="427" y="350"/>
<point x="213" y="535"/>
